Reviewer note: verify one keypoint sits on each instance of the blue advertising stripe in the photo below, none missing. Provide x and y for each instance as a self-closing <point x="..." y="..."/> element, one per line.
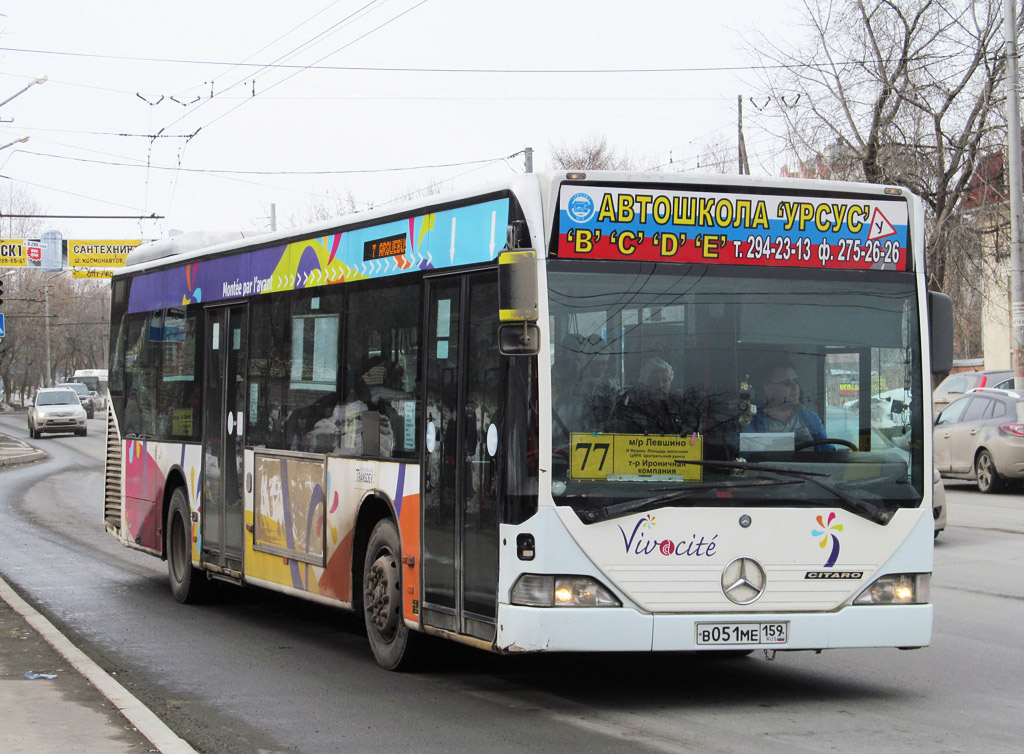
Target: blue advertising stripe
<point x="461" y="236"/>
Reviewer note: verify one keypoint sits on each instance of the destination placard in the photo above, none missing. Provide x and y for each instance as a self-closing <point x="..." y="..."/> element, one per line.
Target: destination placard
<point x="621" y="457"/>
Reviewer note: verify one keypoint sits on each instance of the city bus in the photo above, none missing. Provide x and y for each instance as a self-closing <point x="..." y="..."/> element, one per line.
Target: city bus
<point x="544" y="416"/>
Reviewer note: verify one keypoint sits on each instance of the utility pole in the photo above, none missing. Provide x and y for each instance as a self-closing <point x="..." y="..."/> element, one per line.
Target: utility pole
<point x="741" y="145"/>
<point x="528" y="152"/>
<point x="273" y="217"/>
<point x="46" y="295"/>
<point x="1013" y="156"/>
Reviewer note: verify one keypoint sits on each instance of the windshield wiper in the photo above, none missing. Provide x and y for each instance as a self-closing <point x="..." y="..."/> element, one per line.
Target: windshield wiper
<point x="856" y="505"/>
<point x="593" y="515"/>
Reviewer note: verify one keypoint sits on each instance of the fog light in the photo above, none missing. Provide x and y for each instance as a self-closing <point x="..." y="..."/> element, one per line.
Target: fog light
<point x="536" y="590"/>
<point x="898" y="589"/>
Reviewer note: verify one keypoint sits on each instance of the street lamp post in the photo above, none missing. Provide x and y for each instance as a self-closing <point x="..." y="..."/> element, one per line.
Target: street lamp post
<point x="46" y="298"/>
<point x="22" y="140"/>
<point x="22" y="91"/>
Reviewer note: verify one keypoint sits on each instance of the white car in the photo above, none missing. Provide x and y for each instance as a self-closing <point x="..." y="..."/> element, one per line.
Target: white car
<point x="56" y="409"/>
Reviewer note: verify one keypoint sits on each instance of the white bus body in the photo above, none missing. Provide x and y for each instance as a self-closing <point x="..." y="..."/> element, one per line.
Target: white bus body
<point x="325" y="412"/>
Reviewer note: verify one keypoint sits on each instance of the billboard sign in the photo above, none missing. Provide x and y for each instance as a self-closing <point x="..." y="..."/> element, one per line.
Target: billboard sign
<point x="103" y="253"/>
<point x="12" y="253"/>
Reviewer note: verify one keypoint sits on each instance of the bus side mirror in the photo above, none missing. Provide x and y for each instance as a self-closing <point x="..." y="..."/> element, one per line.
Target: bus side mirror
<point x="519" y="339"/>
<point x="517" y="286"/>
<point x="517" y="303"/>
<point x="940" y="321"/>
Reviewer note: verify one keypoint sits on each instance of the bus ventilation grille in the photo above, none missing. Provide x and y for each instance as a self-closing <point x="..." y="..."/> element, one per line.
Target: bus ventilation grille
<point x="112" y="474"/>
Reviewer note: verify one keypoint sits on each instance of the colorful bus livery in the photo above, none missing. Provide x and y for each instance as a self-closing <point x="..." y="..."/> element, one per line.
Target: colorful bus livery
<point x="727" y="228"/>
<point x="428" y="242"/>
<point x="459" y="420"/>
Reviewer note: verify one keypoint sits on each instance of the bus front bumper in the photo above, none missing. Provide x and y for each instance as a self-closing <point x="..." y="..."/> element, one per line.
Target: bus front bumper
<point x="532" y="629"/>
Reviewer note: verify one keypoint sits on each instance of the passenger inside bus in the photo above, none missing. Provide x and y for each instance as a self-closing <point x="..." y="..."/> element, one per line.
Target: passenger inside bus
<point x="653" y="407"/>
<point x="359" y="424"/>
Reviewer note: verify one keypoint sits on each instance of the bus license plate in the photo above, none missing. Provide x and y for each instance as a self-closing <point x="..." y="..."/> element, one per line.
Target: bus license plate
<point x="742" y="633"/>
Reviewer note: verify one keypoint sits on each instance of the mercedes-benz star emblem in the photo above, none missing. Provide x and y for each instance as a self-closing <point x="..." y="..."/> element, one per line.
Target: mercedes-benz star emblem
<point x="743" y="580"/>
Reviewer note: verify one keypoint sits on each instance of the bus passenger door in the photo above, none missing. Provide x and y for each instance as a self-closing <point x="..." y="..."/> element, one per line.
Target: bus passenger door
<point x="224" y="392"/>
<point x="464" y="386"/>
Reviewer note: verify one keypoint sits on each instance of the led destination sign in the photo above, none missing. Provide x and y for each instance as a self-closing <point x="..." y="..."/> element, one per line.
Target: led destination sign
<point x="381" y="248"/>
<point x="778" y="230"/>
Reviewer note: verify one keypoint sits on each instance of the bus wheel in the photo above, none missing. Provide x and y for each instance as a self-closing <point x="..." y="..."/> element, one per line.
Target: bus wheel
<point x="187" y="583"/>
<point x="390" y="639"/>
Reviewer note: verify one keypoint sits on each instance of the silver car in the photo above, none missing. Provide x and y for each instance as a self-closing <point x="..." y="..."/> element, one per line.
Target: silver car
<point x="56" y="409"/>
<point x="981" y="437"/>
<point x="960" y="383"/>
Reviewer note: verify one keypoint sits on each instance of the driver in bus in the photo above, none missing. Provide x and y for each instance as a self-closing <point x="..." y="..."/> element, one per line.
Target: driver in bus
<point x="779" y="407"/>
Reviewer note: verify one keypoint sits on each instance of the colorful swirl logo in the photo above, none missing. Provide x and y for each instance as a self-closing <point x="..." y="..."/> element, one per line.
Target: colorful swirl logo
<point x="828" y="531"/>
<point x="647" y="522"/>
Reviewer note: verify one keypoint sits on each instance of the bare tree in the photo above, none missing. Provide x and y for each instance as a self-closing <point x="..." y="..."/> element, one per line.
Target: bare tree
<point x="326" y="208"/>
<point x="900" y="92"/>
<point x="717" y="156"/>
<point x="590" y="154"/>
<point x="17" y="200"/>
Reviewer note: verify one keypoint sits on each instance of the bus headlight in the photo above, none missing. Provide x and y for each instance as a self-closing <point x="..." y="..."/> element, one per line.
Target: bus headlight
<point x="538" y="590"/>
<point x="898" y="589"/>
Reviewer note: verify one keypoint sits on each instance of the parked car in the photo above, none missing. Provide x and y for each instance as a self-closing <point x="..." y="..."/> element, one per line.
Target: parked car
<point x="83" y="395"/>
<point x="981" y="437"/>
<point x="958" y="384"/>
<point x="56" y="409"/>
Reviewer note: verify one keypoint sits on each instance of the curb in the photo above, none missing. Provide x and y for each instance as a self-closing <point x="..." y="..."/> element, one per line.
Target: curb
<point x="14" y="452"/>
<point x="145" y="721"/>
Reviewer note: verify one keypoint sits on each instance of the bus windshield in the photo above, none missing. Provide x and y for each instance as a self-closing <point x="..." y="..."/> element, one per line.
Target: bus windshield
<point x="687" y="385"/>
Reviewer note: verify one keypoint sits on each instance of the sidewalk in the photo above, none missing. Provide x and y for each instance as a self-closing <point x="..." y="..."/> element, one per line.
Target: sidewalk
<point x="53" y="698"/>
<point x="80" y="708"/>
<point x="60" y="714"/>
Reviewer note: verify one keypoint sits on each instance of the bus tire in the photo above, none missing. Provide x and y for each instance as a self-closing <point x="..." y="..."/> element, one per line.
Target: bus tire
<point x="188" y="584"/>
<point x="392" y="643"/>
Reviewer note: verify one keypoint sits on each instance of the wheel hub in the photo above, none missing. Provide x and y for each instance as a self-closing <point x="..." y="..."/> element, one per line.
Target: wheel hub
<point x="381" y="594"/>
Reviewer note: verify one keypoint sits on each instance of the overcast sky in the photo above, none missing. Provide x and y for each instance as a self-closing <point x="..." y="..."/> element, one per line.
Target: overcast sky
<point x="126" y="125"/>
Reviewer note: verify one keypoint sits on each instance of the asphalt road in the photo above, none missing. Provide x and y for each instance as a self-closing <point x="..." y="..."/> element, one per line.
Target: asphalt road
<point x="254" y="671"/>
